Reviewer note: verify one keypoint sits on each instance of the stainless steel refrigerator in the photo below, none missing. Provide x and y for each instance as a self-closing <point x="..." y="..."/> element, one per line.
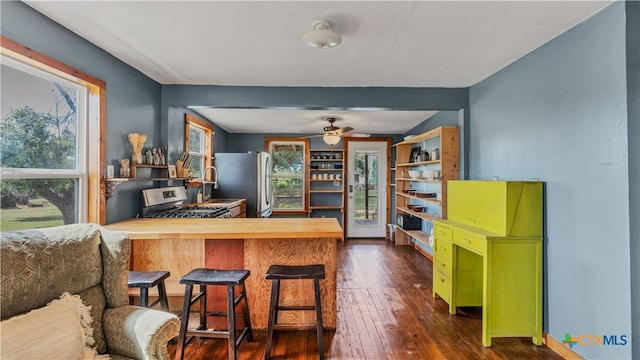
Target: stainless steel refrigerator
<point x="245" y="176"/>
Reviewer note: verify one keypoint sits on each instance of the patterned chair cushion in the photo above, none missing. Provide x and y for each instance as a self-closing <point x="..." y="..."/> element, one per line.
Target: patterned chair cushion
<point x="39" y="265"/>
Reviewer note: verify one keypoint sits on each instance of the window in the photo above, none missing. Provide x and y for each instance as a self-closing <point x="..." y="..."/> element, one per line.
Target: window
<point x="50" y="172"/>
<point x="288" y="174"/>
<point x="198" y="143"/>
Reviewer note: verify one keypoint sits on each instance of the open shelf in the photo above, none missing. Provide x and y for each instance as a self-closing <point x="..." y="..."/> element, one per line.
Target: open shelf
<point x="421" y="215"/>
<point x="419" y="163"/>
<point x="432" y="200"/>
<point x="420" y="180"/>
<point x="325" y="191"/>
<point x="416" y="234"/>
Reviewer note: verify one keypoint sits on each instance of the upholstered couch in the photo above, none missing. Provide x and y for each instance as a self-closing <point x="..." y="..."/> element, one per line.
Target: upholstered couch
<point x="38" y="266"/>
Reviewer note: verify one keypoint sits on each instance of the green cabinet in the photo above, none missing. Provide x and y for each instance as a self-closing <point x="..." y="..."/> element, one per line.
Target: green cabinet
<point x="492" y="242"/>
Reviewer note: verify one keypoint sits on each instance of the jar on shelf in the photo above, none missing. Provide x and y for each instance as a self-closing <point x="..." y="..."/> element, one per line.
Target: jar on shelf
<point x="435" y="154"/>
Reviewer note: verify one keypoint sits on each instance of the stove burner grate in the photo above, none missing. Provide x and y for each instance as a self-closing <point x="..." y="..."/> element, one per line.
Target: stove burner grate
<point x="195" y="212"/>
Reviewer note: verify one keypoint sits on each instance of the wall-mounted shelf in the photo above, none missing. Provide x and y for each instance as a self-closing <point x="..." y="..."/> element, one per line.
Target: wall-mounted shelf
<point x="113" y="183"/>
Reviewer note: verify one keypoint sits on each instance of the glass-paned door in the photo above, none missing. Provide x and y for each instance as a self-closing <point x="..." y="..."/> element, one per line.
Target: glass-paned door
<point x="366" y="189"/>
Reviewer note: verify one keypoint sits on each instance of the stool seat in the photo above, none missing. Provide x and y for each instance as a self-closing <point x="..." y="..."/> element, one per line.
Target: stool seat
<point x="213" y="277"/>
<point x="286" y="272"/>
<point x="204" y="276"/>
<point x="148" y="279"/>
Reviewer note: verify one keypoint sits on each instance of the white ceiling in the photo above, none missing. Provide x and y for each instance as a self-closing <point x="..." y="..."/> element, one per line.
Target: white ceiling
<point x="388" y="44"/>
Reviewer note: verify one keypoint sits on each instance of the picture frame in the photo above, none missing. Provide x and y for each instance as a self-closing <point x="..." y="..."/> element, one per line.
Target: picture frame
<point x="172" y="172"/>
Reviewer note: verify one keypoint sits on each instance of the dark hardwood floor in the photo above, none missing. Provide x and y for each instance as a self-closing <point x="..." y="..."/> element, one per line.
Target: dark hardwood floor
<point x="385" y="311"/>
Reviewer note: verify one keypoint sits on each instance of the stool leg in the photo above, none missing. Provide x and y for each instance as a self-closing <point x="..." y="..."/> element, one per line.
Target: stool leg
<point x="184" y="321"/>
<point x="162" y="293"/>
<point x="231" y="321"/>
<point x="144" y="297"/>
<point x="277" y="284"/>
<point x="245" y="313"/>
<point x="203" y="308"/>
<point x="275" y="289"/>
<point x="316" y="286"/>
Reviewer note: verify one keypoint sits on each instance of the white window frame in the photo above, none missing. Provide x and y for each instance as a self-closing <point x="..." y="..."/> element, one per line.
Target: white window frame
<point x="206" y="143"/>
<point x="81" y="171"/>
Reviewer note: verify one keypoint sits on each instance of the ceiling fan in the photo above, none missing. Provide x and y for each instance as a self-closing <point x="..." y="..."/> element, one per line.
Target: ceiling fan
<point x="332" y="134"/>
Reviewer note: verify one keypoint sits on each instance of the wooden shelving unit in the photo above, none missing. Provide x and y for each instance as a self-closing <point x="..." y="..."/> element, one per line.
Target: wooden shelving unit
<point x="445" y="139"/>
<point x="326" y="195"/>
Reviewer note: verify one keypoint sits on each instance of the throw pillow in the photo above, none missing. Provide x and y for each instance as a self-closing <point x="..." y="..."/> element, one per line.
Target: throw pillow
<point x="59" y="330"/>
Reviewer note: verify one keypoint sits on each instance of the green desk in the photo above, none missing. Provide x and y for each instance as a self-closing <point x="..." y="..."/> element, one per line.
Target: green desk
<point x="489" y="253"/>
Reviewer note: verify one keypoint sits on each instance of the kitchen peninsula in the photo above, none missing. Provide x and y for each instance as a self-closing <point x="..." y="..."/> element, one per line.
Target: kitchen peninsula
<point x="180" y="245"/>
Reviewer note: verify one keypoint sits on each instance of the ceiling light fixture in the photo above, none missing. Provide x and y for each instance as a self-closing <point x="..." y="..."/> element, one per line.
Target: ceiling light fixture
<point x="331" y="139"/>
<point x="321" y="36"/>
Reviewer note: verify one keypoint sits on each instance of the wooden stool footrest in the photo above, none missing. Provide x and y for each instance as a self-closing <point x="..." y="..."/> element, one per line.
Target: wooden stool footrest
<point x="296" y="307"/>
<point x="303" y="326"/>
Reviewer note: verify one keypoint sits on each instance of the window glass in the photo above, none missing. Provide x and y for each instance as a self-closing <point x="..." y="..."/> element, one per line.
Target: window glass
<point x="42" y="148"/>
<point x="199" y="145"/>
<point x="196" y="137"/>
<point x="288" y="175"/>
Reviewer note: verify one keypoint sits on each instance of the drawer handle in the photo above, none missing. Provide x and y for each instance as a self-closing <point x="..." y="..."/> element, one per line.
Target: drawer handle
<point x="466" y="241"/>
<point x="442" y="232"/>
<point x="444" y="249"/>
<point x="442" y="264"/>
<point x="442" y="280"/>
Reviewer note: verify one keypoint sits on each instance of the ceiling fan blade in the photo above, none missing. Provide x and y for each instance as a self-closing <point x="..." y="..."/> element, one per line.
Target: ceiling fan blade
<point x="345" y="129"/>
<point x="310" y="136"/>
<point x="357" y="135"/>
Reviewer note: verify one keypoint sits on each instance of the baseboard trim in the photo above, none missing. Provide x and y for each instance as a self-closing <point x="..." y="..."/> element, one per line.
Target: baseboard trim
<point x="559" y="348"/>
<point x="423" y="252"/>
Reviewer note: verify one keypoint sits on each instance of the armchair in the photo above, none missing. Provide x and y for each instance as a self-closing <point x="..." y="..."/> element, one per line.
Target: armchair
<point x="92" y="262"/>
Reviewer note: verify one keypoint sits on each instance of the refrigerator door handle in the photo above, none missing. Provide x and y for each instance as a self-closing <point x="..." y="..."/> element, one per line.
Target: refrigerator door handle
<point x="267" y="182"/>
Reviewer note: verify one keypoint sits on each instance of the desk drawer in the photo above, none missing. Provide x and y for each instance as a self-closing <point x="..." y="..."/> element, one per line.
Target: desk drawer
<point x="442" y="247"/>
<point x="470" y="241"/>
<point x="442" y="263"/>
<point x="442" y="285"/>
<point x="442" y="232"/>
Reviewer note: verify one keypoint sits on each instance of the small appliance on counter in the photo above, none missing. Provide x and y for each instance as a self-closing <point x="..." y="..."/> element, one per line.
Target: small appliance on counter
<point x="409" y="222"/>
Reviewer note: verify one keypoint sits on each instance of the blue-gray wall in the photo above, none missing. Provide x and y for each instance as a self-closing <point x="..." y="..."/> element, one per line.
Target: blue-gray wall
<point x="560" y="115"/>
<point x="133" y="100"/>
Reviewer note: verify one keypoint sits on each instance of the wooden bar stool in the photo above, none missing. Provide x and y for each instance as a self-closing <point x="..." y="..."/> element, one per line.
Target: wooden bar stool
<point x="289" y="272"/>
<point x="210" y="277"/>
<point x="148" y="279"/>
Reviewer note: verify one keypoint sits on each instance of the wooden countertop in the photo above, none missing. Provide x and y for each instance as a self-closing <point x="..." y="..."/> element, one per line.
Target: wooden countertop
<point x="235" y="228"/>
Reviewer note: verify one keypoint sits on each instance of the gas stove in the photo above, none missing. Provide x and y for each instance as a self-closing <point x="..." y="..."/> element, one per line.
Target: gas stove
<point x="168" y="202"/>
<point x="195" y="212"/>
